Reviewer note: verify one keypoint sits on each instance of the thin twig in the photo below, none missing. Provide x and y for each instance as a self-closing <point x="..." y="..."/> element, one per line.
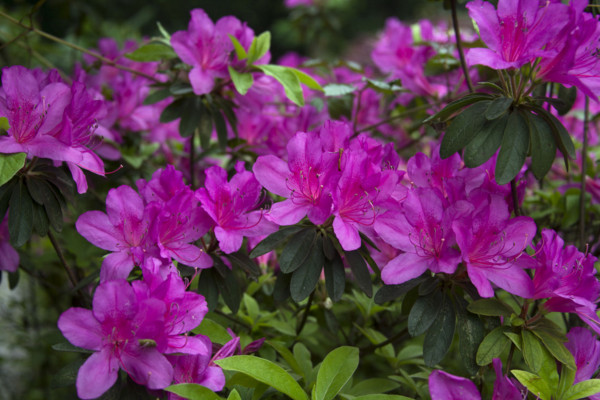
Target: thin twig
<point x="78" y="48"/>
<point x="461" y="53"/>
<point x="403" y="333"/>
<point x="192" y="160"/>
<point x="515" y="197"/>
<point x="234" y="320"/>
<point x="583" y="175"/>
<point x="306" y="312"/>
<point x="63" y="261"/>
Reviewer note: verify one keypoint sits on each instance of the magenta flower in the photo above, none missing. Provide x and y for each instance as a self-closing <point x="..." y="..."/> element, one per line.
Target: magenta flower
<point x="567" y="277"/>
<point x="122" y="230"/>
<point x="517" y="33"/>
<point x="206" y="47"/>
<point x="445" y="386"/>
<point x="306" y="180"/>
<point x="9" y="258"/>
<point x="492" y="246"/>
<point x="123" y="333"/>
<point x="585" y="348"/>
<point x="233" y="207"/>
<point x="423" y="230"/>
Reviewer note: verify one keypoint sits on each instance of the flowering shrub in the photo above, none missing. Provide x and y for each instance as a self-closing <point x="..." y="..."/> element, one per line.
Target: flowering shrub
<point x="305" y="228"/>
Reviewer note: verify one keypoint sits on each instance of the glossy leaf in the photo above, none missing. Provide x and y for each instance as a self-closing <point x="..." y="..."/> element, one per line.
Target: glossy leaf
<point x="513" y="151"/>
<point x="543" y="146"/>
<point x="532" y="350"/>
<point x="424" y="312"/>
<point x="20" y="215"/>
<point x="556" y="348"/>
<point x="457" y="105"/>
<point x="338" y="89"/>
<point x="273" y="240"/>
<point x="498" y="107"/>
<point x="10" y="164"/>
<point x="305" y="278"/>
<point x="463" y="129"/>
<point x="440" y="334"/>
<point x="492" y="346"/>
<point x="583" y="389"/>
<point x="486" y="143"/>
<point x="266" y="372"/>
<point x="239" y="49"/>
<point x="337" y="368"/>
<point x="335" y="277"/>
<point x="361" y="273"/>
<point x="470" y="334"/>
<point x="490" y="307"/>
<point x="288" y="79"/>
<point x="296" y="251"/>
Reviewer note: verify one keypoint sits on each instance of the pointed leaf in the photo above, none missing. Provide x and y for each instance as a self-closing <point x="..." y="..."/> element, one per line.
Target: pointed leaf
<point x="239" y="49"/>
<point x="259" y="47"/>
<point x="305" y="278"/>
<point x="338" y="89"/>
<point x="390" y="292"/>
<point x="491" y="308"/>
<point x="536" y="385"/>
<point x="556" y="348"/>
<point x="242" y="81"/>
<point x="337" y="368"/>
<point x="532" y="350"/>
<point x="463" y="129"/>
<point x="498" y="107"/>
<point x="193" y="391"/>
<point x="457" y="105"/>
<point x="583" y="389"/>
<point x="486" y="143"/>
<point x="515" y="144"/>
<point x="424" y="312"/>
<point x="152" y="52"/>
<point x="361" y="273"/>
<point x="20" y="215"/>
<point x="266" y="372"/>
<point x="306" y="79"/>
<point x="10" y="164"/>
<point x="470" y="334"/>
<point x="440" y="334"/>
<point x="273" y="240"/>
<point x="543" y="146"/>
<point x="335" y="277"/>
<point x="295" y="251"/>
<point x="492" y="346"/>
<point x="288" y="79"/>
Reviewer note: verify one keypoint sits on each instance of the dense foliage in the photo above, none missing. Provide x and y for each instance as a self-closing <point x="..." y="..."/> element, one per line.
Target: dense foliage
<point x="207" y="222"/>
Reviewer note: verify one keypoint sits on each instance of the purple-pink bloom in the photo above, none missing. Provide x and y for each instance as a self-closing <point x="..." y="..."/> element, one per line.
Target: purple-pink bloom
<point x="123" y="333"/>
<point x="233" y="206"/>
<point x="585" y="348"/>
<point x="567" y="278"/>
<point x="9" y="258"/>
<point x="423" y="230"/>
<point x="517" y="33"/>
<point x="492" y="245"/>
<point x="445" y="386"/>
<point x="306" y="180"/>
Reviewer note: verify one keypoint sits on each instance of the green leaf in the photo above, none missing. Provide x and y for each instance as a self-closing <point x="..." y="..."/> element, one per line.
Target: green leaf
<point x="306" y="79"/>
<point x="373" y="386"/>
<point x="384" y="87"/>
<point x="470" y="335"/>
<point x="491" y="308"/>
<point x="221" y="128"/>
<point x="335" y="277"/>
<point x="42" y="192"/>
<point x="305" y="278"/>
<point x="287" y="356"/>
<point x="69" y="348"/>
<point x="239" y="49"/>
<point x="583" y="389"/>
<point x="192" y="391"/>
<point x="338" y="89"/>
<point x="337" y="368"/>
<point x="339" y="107"/>
<point x="561" y="136"/>
<point x="40" y="220"/>
<point x="208" y="288"/>
<point x="20" y="215"/>
<point x="382" y="397"/>
<point x="543" y="146"/>
<point x="273" y="240"/>
<point x="172" y="111"/>
<point x="259" y="47"/>
<point x="157" y="96"/>
<point x="568" y="97"/>
<point x="241" y="260"/>
<point x="516" y="339"/>
<point x="515" y="144"/>
<point x="302" y="355"/>
<point x="191" y="112"/>
<point x="215" y="332"/>
<point x="266" y="372"/>
<point x="4" y="125"/>
<point x="296" y="251"/>
<point x="234" y="395"/>
<point x="242" y="81"/>
<point x="536" y="385"/>
<point x="67" y="375"/>
<point x="424" y="312"/>
<point x="361" y="273"/>
<point x="492" y="346"/>
<point x="152" y="52"/>
<point x="440" y="334"/>
<point x="10" y="164"/>
<point x="556" y="348"/>
<point x="13" y="279"/>
<point x="205" y="127"/>
<point x="390" y="292"/>
<point x="532" y="350"/>
<point x="456" y="105"/>
<point x="463" y="129"/>
<point x="498" y="107"/>
<point x="486" y="143"/>
<point x="440" y="64"/>
<point x="288" y="79"/>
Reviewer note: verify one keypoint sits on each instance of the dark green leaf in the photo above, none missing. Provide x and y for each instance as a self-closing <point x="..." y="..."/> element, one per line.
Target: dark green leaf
<point x="264" y="371"/>
<point x="456" y="105"/>
<point x="273" y="240"/>
<point x="296" y="250"/>
<point x="328" y="248"/>
<point x="335" y="277"/>
<point x="208" y="288"/>
<point x="424" y="312"/>
<point x="470" y="335"/>
<point x="205" y="127"/>
<point x="492" y="85"/>
<point x="242" y="260"/>
<point x="498" y="107"/>
<point x="180" y="88"/>
<point x="390" y="292"/>
<point x="281" y="291"/>
<point x="221" y="128"/>
<point x="429" y="285"/>
<point x="305" y="278"/>
<point x="532" y="350"/>
<point x="515" y="144"/>
<point x="288" y="79"/>
<point x="439" y="336"/>
<point x="190" y="115"/>
<point x="13" y="279"/>
<point x="43" y="193"/>
<point x="20" y="215"/>
<point x="5" y="195"/>
<point x="157" y="96"/>
<point x="230" y="290"/>
<point x="568" y="97"/>
<point x="242" y="81"/>
<point x="67" y="375"/>
<point x="492" y="346"/>
<point x="338" y="89"/>
<point x="463" y="129"/>
<point x="10" y="164"/>
<point x="152" y="52"/>
<point x="373" y="386"/>
<point x="40" y="220"/>
<point x="337" y="368"/>
<point x="361" y="273"/>
<point x="441" y="64"/>
<point x="561" y="136"/>
<point x="486" y="143"/>
<point x="172" y="111"/>
<point x="69" y="348"/>
<point x="339" y="107"/>
<point x="543" y="146"/>
<point x="491" y="308"/>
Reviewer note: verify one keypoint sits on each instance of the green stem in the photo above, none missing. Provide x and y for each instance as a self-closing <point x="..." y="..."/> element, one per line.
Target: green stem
<point x="515" y="197"/>
<point x="461" y="53"/>
<point x="76" y="47"/>
<point x="306" y="312"/>
<point x="192" y="160"/>
<point x="63" y="261"/>
<point x="583" y="174"/>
